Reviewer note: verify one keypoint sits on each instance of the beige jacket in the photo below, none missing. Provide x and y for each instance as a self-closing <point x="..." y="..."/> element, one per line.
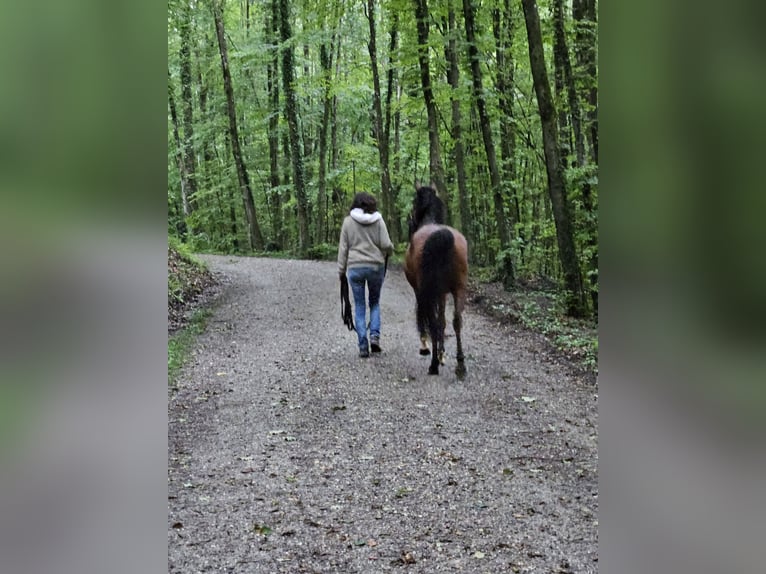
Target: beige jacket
<point x="364" y="240"/>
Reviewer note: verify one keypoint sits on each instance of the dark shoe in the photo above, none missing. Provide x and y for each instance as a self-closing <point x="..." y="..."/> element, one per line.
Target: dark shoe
<point x="375" y="347"/>
<point x="364" y="353"/>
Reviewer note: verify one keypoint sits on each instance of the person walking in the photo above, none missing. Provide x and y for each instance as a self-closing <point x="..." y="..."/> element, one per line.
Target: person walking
<point x="362" y="252"/>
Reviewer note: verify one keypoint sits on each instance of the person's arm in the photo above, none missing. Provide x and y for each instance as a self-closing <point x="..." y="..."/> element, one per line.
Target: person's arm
<point x="343" y="251"/>
<point x="385" y="244"/>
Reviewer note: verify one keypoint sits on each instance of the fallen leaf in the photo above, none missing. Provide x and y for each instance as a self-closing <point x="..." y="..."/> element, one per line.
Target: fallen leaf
<point x="177" y="525"/>
<point x="259" y="529"/>
<point x="528" y="399"/>
<point x="478" y="554"/>
<point x="408" y="558"/>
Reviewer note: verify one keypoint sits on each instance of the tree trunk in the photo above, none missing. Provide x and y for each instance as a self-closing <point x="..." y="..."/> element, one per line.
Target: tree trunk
<point x="562" y="51"/>
<point x="503" y="28"/>
<point x="394" y="211"/>
<point x="397" y="155"/>
<point x="380" y="133"/>
<point x="565" y="133"/>
<point x="188" y="114"/>
<point x="325" y="58"/>
<point x="179" y="151"/>
<point x="306" y="128"/>
<point x="256" y="239"/>
<point x="501" y="221"/>
<point x="272" y="85"/>
<point x="586" y="41"/>
<point x="434" y="155"/>
<point x="337" y="191"/>
<point x="291" y="111"/>
<point x="232" y="194"/>
<point x="453" y="77"/>
<point x="556" y="189"/>
<point x="288" y="211"/>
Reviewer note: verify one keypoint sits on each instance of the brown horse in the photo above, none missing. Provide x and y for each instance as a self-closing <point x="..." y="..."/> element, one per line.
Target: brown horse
<point x="436" y="263"/>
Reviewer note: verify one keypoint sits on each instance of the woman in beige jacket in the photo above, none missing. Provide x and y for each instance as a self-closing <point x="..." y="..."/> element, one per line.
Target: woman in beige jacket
<point x="364" y="246"/>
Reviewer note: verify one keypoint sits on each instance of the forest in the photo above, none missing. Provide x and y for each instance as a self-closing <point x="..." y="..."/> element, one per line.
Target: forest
<point x="279" y="111"/>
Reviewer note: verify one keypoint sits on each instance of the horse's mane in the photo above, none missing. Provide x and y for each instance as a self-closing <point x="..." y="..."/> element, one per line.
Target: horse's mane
<point x="426" y="208"/>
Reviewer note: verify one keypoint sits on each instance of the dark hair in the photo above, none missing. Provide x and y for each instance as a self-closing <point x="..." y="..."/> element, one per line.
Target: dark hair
<point x="366" y="202"/>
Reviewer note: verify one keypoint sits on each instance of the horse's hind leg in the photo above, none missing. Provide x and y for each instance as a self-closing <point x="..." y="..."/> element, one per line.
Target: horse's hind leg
<point x="457" y="324"/>
<point x="442" y="327"/>
<point x="438" y="345"/>
<point x="424" y="350"/>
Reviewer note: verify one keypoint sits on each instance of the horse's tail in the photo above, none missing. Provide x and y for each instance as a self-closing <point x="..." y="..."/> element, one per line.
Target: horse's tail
<point x="436" y="271"/>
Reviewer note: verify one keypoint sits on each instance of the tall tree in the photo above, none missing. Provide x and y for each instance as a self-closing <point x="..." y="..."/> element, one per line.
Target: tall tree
<point x="434" y="156"/>
<point x="337" y="191"/>
<point x="255" y="236"/>
<point x="179" y="150"/>
<point x="390" y="76"/>
<point x="453" y="77"/>
<point x="556" y="188"/>
<point x="379" y="131"/>
<point x="561" y="51"/>
<point x="272" y="86"/>
<point x="291" y="111"/>
<point x="503" y="28"/>
<point x="501" y="221"/>
<point x="584" y="14"/>
<point x="326" y="53"/>
<point x="184" y="55"/>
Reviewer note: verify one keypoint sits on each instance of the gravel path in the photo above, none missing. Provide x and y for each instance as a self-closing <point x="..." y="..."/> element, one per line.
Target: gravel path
<point x="288" y="453"/>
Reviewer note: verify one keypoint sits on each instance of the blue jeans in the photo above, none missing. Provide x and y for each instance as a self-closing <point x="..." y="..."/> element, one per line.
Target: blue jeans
<point x="373" y="277"/>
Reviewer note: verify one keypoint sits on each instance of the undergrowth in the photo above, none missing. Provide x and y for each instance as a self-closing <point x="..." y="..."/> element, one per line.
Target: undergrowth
<point x="188" y="278"/>
<point x="542" y="311"/>
<point x="180" y="344"/>
<point x="576" y="338"/>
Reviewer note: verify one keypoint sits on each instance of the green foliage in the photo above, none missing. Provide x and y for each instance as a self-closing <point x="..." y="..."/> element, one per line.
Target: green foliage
<point x="323" y="252"/>
<point x="483" y="274"/>
<point x="504" y="268"/>
<point x="218" y="222"/>
<point x="187" y="275"/>
<point x="545" y="313"/>
<point x="183" y="251"/>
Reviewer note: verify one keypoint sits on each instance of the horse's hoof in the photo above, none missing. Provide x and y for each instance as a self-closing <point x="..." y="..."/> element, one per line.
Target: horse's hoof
<point x="425" y="352"/>
<point x="460" y="370"/>
<point x="433" y="370"/>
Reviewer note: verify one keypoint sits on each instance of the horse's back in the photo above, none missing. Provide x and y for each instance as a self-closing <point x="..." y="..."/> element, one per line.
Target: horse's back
<point x="461" y="243"/>
<point x="418" y="243"/>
